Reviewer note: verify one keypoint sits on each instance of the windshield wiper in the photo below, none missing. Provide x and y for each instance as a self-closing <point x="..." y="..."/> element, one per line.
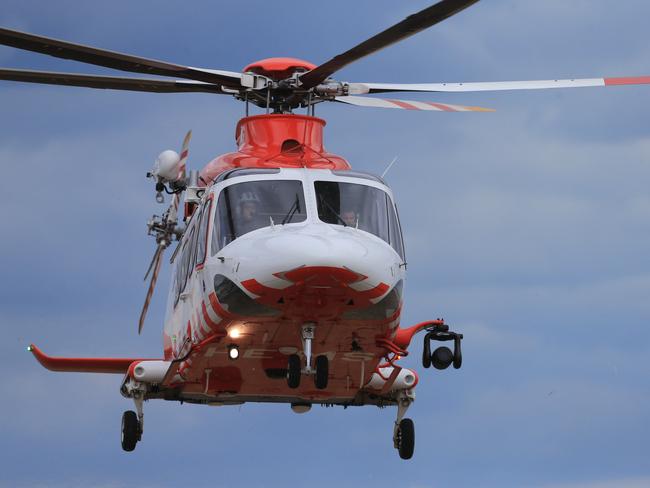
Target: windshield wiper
<point x="295" y="207"/>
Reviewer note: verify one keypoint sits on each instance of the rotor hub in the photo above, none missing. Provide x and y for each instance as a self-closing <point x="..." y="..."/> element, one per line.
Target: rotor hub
<point x="279" y="68"/>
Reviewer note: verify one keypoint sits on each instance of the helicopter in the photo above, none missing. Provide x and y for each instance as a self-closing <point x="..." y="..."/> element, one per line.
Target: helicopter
<point x="255" y="315"/>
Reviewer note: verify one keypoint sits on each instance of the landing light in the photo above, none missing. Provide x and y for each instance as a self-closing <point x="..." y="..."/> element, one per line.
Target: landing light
<point x="233" y="351"/>
<point x="234" y="333"/>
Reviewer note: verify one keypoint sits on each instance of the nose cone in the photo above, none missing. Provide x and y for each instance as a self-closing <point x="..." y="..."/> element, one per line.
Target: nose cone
<point x="316" y="266"/>
<point x="320" y="245"/>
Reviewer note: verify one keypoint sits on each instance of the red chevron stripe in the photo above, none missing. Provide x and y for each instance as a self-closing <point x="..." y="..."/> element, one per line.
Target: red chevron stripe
<point x="441" y="106"/>
<point x="402" y="104"/>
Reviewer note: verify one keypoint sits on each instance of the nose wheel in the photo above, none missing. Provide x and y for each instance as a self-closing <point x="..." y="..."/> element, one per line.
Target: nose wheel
<point x="294" y="366"/>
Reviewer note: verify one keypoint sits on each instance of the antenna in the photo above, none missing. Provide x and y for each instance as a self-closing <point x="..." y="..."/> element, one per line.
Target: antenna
<point x="389" y="166"/>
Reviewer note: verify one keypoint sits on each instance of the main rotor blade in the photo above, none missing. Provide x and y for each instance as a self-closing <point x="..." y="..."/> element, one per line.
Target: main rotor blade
<point x="408" y="104"/>
<point x="107" y="82"/>
<point x="115" y="60"/>
<point x="363" y="88"/>
<point x="154" y="277"/>
<point x="406" y="28"/>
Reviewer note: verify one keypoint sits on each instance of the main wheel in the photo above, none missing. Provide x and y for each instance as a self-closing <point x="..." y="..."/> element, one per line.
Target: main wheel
<point x="406" y="438"/>
<point x="293" y="371"/>
<point x="322" y="372"/>
<point x="130" y="430"/>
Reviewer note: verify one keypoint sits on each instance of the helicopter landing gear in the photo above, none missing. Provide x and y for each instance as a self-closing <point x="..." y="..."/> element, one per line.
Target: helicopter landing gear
<point x="321" y="370"/>
<point x="404" y="430"/>
<point x="133" y="422"/>
<point x="442" y="357"/>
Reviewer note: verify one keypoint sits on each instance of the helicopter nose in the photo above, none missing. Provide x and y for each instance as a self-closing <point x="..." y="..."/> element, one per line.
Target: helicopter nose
<point x="317" y="265"/>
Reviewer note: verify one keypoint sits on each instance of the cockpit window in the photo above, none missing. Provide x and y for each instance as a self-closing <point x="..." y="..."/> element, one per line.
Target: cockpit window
<point x="245" y="207"/>
<point x="361" y="207"/>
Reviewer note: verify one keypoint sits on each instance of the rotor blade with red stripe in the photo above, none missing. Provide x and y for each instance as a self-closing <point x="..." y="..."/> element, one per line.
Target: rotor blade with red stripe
<point x="107" y="82"/>
<point x="115" y="60"/>
<point x="152" y="285"/>
<point x="159" y="249"/>
<point x="363" y="88"/>
<point x="185" y="152"/>
<point x="406" y="28"/>
<point x="408" y="104"/>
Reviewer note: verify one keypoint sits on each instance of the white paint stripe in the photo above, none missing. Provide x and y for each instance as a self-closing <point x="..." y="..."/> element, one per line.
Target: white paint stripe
<point x="423" y="106"/>
<point x="361" y="88"/>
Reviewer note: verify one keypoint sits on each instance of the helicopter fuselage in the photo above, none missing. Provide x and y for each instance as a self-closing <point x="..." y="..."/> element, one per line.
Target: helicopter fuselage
<point x="286" y="236"/>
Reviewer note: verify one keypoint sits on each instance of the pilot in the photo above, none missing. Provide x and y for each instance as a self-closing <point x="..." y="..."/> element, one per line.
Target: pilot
<point x="249" y="218"/>
<point x="350" y="218"/>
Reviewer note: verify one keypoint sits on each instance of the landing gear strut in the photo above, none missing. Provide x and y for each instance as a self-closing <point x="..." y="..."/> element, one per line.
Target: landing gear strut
<point x="442" y="357"/>
<point x="321" y="370"/>
<point x="133" y="422"/>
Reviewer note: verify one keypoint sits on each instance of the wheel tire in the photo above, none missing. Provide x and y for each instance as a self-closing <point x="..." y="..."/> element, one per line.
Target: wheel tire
<point x="293" y="371"/>
<point x="130" y="430"/>
<point x="322" y="372"/>
<point x="406" y="438"/>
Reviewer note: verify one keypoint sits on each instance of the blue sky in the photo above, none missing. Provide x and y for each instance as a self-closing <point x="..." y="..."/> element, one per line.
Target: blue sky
<point x="527" y="229"/>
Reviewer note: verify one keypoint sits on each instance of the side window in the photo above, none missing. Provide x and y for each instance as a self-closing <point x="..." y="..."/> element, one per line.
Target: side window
<point x="179" y="271"/>
<point x="396" y="240"/>
<point x="187" y="252"/>
<point x="178" y="281"/>
<point x="222" y="229"/>
<point x="194" y="245"/>
<point x="203" y="233"/>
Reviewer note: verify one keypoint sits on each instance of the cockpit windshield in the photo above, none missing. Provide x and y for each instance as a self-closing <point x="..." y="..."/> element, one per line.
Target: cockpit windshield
<point x="245" y="207"/>
<point x="361" y="207"/>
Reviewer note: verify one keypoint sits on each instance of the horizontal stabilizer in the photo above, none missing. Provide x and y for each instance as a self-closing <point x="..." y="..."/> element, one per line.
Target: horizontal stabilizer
<point x="82" y="365"/>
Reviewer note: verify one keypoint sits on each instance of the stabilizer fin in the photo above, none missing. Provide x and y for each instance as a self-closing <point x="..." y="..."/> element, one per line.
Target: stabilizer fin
<point x="82" y="365"/>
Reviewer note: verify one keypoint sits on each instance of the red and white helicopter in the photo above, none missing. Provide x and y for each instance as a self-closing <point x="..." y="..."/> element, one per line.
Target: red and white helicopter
<point x="289" y="268"/>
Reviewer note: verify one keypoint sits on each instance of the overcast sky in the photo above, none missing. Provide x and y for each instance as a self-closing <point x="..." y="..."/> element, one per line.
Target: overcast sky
<point x="528" y="229"/>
